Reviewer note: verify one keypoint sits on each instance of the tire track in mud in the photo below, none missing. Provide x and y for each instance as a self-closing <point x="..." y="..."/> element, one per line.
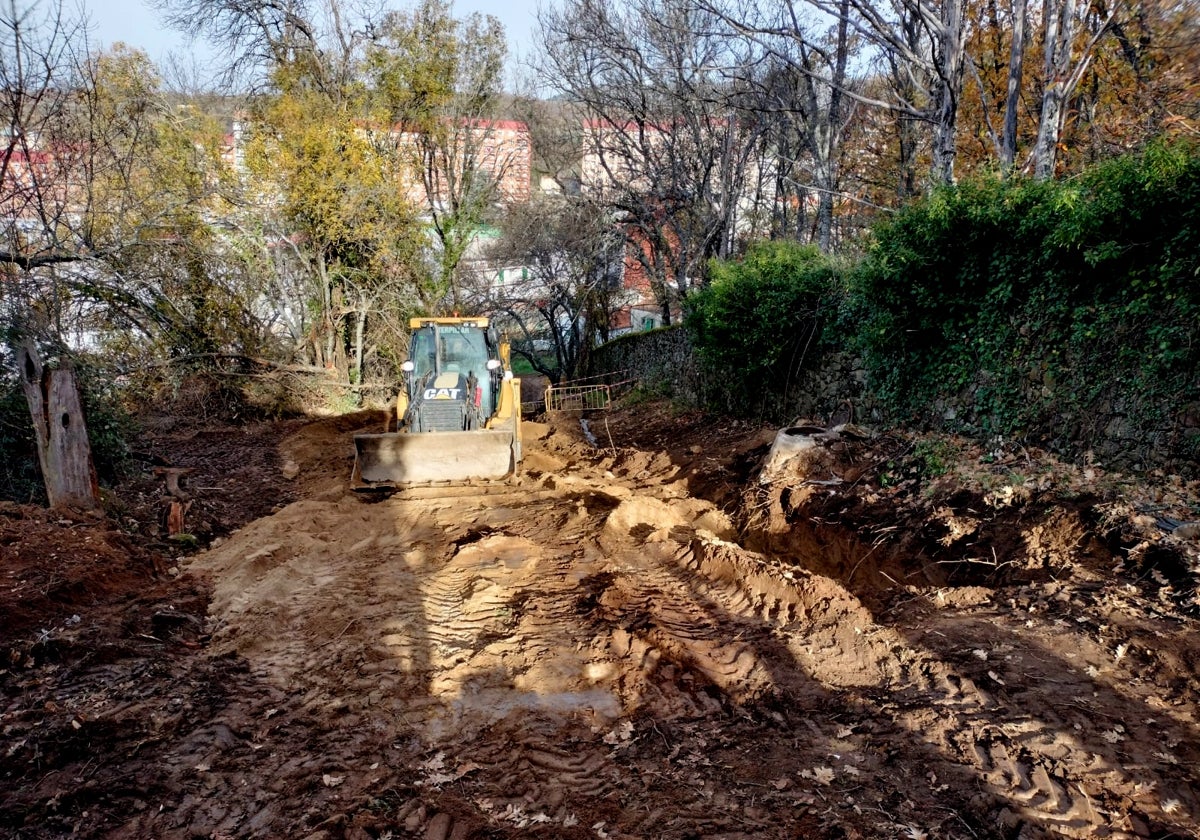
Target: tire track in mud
<point x="1043" y="771"/>
<point x="987" y="697"/>
<point x="586" y="650"/>
<point x="1050" y="759"/>
<point x="461" y="622"/>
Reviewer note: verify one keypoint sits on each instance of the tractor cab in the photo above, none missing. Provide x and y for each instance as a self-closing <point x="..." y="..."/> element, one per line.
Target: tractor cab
<point x="453" y="376"/>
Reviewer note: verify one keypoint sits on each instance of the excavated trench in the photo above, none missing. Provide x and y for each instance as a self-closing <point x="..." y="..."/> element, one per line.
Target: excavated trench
<point x="803" y="512"/>
<point x="983" y="615"/>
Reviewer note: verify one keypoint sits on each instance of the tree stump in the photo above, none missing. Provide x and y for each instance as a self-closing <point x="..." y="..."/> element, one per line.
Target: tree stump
<point x="64" y="453"/>
<point x="177" y="499"/>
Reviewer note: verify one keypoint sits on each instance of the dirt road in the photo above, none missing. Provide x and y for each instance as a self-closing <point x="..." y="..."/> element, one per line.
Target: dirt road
<point x="625" y="644"/>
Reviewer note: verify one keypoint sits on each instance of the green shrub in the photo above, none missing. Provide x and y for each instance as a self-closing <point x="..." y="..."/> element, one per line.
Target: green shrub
<point x="20" y="478"/>
<point x="760" y="321"/>
<point x="109" y="424"/>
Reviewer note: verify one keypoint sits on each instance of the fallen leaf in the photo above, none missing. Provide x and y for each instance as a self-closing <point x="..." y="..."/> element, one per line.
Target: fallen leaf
<point x="438" y="779"/>
<point x="620" y="734"/>
<point x="464" y="769"/>
<point x="820" y="775"/>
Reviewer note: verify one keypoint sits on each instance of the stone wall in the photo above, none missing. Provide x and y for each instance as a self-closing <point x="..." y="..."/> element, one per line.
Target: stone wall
<point x="663" y="362"/>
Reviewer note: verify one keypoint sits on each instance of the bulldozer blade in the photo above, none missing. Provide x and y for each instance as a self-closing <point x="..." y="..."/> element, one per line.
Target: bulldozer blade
<point x="401" y="459"/>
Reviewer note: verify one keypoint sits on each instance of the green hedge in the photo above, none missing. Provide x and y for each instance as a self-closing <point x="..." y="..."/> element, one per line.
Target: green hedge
<point x="1046" y="305"/>
<point x="1066" y="312"/>
<point x="20" y="478"/>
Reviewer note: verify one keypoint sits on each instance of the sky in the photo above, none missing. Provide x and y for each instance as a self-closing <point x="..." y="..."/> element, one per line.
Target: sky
<point x="139" y="25"/>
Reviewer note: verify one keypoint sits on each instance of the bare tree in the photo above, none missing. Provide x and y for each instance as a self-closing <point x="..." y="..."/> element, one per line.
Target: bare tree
<point x="803" y="95"/>
<point x="556" y="135"/>
<point x="922" y="42"/>
<point x="42" y="68"/>
<point x="664" y="147"/>
<point x="256" y="37"/>
<point x="561" y="284"/>
<point x="40" y="71"/>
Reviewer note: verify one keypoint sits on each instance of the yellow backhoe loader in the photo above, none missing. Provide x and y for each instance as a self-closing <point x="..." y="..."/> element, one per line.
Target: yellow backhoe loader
<point x="458" y="416"/>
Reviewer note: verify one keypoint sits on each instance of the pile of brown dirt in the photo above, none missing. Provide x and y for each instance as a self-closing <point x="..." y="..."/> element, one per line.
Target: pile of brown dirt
<point x="636" y="637"/>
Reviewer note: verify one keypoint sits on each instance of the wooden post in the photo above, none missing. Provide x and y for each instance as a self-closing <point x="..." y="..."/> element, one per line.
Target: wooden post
<point x="64" y="453"/>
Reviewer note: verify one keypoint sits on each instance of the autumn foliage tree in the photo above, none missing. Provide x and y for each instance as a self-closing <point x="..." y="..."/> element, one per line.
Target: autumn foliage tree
<point x="869" y="105"/>
<point x="363" y="183"/>
<point x="96" y="175"/>
<point x="438" y="80"/>
<point x="338" y="196"/>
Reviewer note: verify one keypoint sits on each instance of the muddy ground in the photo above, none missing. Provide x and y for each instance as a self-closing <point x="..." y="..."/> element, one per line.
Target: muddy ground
<point x="650" y="638"/>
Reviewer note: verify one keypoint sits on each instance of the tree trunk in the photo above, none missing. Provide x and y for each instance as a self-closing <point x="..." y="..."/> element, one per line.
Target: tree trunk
<point x="908" y="129"/>
<point x="1059" y="20"/>
<point x="62" y="442"/>
<point x="908" y="143"/>
<point x="1063" y="72"/>
<point x="326" y="352"/>
<point x="831" y="140"/>
<point x="340" y="358"/>
<point x="1016" y="61"/>
<point x="360" y="329"/>
<point x="951" y="65"/>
